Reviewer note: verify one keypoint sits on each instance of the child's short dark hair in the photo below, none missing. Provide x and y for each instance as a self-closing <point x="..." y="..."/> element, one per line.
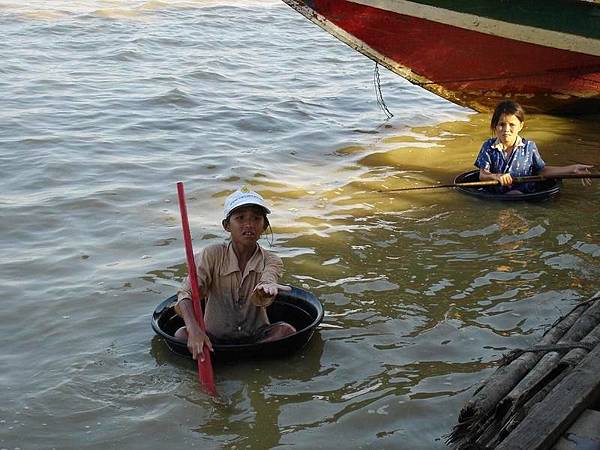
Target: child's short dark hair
<point x="507" y="107"/>
<point x="258" y="209"/>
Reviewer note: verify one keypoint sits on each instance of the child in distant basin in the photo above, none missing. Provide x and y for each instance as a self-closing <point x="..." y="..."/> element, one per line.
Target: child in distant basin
<point x="229" y="276"/>
<point x="508" y="155"/>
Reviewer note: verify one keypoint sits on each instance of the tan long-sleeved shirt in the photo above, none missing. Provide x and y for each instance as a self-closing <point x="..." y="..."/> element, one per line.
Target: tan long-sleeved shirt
<point x="229" y="314"/>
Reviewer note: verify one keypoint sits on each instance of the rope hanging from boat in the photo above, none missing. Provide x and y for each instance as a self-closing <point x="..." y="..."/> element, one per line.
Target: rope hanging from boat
<point x="380" y="101"/>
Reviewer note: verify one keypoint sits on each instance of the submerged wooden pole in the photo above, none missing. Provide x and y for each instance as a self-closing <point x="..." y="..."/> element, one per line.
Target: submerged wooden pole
<point x="579" y="389"/>
<point x="506" y="377"/>
<point x="528" y="400"/>
<point x="500" y="404"/>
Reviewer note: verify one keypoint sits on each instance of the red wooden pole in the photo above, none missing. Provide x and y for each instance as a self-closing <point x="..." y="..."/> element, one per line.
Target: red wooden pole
<point x="205" y="370"/>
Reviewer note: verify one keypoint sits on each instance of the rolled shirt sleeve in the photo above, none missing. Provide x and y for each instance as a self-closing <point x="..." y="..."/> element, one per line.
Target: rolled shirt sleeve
<point x="202" y="261"/>
<point x="483" y="160"/>
<point x="537" y="163"/>
<point x="273" y="268"/>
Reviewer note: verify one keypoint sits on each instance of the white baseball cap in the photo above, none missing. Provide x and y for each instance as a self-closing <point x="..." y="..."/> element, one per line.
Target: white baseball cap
<point x="243" y="197"/>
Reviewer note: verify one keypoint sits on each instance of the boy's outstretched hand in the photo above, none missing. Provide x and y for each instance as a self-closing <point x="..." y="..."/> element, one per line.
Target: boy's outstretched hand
<point x="582" y="169"/>
<point x="265" y="293"/>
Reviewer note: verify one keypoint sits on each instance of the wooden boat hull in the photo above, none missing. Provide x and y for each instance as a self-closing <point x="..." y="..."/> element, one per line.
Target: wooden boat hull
<point x="546" y="190"/>
<point x="298" y="307"/>
<point x="545" y="55"/>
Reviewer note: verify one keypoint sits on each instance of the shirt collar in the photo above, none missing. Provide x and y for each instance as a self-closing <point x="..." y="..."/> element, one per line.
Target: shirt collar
<point x="500" y="146"/>
<point x="231" y="262"/>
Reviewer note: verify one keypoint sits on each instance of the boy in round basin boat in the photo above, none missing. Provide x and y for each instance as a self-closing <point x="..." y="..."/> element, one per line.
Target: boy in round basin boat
<point x="238" y="279"/>
<point x="508" y="155"/>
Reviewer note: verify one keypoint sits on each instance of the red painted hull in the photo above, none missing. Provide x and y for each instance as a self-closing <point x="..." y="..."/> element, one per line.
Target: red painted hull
<point x="468" y="67"/>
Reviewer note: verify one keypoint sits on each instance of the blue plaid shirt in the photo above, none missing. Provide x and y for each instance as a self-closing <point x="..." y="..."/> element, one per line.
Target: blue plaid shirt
<point x="525" y="160"/>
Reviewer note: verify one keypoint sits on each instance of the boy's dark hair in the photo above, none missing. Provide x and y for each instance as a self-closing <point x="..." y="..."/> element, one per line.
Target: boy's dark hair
<point x="507" y="107"/>
<point x="225" y="222"/>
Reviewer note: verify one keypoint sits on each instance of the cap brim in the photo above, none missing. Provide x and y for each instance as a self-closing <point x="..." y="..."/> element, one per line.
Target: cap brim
<point x="242" y="205"/>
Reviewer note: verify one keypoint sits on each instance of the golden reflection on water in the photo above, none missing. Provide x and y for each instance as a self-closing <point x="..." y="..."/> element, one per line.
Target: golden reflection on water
<point x="362" y="228"/>
<point x="430" y="155"/>
<point x="425" y="290"/>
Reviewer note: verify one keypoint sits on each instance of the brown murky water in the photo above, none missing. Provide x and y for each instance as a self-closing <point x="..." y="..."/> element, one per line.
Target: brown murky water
<point x="111" y="103"/>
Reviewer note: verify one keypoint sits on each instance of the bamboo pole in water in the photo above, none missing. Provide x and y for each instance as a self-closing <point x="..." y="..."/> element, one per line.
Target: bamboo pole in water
<point x="579" y="332"/>
<point x="516" y="180"/>
<point x="485" y="418"/>
<point x="506" y="377"/>
<point x="524" y="404"/>
<point x="575" y="393"/>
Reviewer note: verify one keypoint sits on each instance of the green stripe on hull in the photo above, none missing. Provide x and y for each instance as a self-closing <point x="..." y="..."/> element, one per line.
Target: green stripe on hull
<point x="567" y="16"/>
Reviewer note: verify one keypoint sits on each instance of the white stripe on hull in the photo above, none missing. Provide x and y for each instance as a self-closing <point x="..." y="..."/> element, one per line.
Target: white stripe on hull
<point x="523" y="33"/>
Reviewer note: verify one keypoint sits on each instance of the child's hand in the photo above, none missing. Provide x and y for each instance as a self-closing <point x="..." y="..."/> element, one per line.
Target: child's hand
<point x="265" y="293"/>
<point x="581" y="169"/>
<point x="505" y="179"/>
<point x="273" y="288"/>
<point x="196" y="341"/>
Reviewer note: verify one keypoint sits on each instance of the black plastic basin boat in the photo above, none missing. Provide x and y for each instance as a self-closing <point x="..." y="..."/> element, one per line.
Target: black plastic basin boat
<point x="297" y="307"/>
<point x="545" y="190"/>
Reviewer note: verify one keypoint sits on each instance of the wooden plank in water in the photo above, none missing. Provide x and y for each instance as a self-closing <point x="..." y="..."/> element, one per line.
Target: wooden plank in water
<point x="551" y="417"/>
<point x="584" y="433"/>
